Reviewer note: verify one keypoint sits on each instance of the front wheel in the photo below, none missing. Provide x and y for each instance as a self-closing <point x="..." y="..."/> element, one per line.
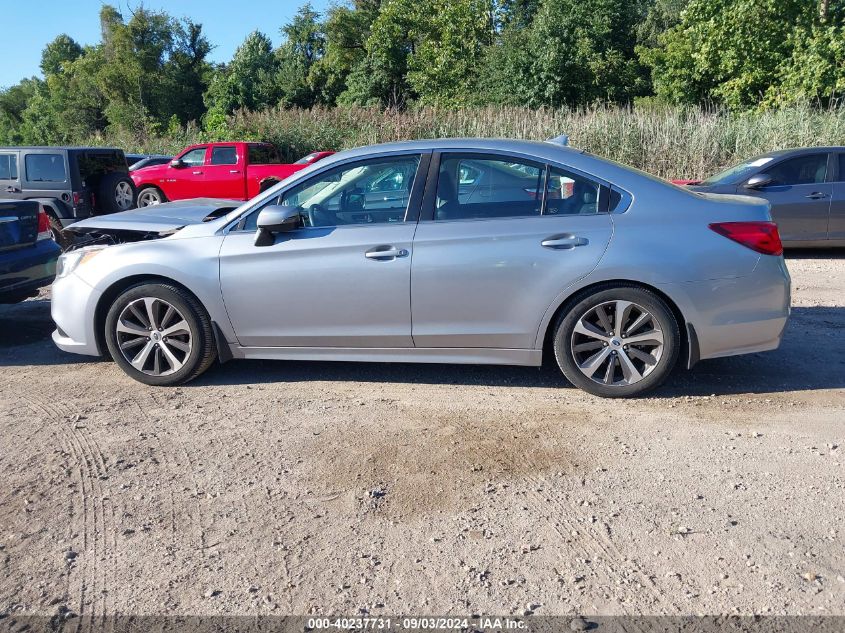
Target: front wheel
<point x="149" y="197"/>
<point x="617" y="342"/>
<point x="159" y="334"/>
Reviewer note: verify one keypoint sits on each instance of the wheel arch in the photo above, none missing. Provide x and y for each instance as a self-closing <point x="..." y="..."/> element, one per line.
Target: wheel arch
<point x="115" y="289"/>
<point x="689" y="340"/>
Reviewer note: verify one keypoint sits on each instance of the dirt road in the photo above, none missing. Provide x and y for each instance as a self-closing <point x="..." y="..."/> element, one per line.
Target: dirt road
<point x="283" y="487"/>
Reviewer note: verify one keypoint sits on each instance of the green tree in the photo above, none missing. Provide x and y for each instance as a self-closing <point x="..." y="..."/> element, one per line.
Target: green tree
<point x="583" y="51"/>
<point x="727" y="51"/>
<point x="250" y="79"/>
<point x="451" y="37"/>
<point x="304" y="45"/>
<point x="347" y="29"/>
<point x="61" y="50"/>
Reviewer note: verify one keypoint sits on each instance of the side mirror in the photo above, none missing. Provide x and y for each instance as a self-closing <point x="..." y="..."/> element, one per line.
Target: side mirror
<point x="276" y="219"/>
<point x="758" y="181"/>
<point x="177" y="163"/>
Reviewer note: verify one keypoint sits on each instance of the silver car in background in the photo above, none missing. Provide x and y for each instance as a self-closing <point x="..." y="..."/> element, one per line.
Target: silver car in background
<point x="446" y="251"/>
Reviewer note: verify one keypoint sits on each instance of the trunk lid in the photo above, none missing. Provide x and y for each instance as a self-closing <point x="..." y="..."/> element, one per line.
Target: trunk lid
<point x="18" y="223"/>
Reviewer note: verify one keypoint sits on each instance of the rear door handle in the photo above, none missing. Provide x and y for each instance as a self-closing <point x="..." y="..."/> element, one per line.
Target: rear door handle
<point x="234" y="171"/>
<point x="196" y="173"/>
<point x="11" y="189"/>
<point x="816" y="195"/>
<point x="564" y="242"/>
<point x="385" y="253"/>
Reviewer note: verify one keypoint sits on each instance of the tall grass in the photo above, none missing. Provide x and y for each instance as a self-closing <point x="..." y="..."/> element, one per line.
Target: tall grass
<point x="666" y="141"/>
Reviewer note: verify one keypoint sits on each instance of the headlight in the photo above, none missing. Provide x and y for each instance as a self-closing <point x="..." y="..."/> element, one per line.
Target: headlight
<point x="70" y="261"/>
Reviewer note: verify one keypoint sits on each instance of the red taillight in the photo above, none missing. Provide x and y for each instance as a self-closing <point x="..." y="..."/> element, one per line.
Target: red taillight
<point x="43" y="226"/>
<point x="762" y="237"/>
<point x="76" y="198"/>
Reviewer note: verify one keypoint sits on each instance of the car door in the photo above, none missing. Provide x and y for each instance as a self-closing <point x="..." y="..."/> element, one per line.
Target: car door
<point x="10" y="180"/>
<point x="223" y="175"/>
<point x="836" y="223"/>
<point x="343" y="279"/>
<point x="185" y="181"/>
<point x="800" y="197"/>
<point x="489" y="260"/>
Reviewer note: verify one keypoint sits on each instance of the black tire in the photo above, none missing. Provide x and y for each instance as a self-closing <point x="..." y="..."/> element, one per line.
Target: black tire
<point x="202" y="349"/>
<point x="150" y="196"/>
<point x="116" y="193"/>
<point x="652" y="377"/>
<point x="64" y="240"/>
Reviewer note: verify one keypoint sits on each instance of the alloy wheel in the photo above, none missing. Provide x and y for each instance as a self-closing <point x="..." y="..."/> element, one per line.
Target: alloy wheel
<point x="148" y="198"/>
<point x="617" y="343"/>
<point x="123" y="195"/>
<point x="153" y="336"/>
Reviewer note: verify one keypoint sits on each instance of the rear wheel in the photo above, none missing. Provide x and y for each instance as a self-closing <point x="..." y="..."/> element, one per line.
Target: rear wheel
<point x="160" y="335"/>
<point x="617" y="342"/>
<point x="149" y="197"/>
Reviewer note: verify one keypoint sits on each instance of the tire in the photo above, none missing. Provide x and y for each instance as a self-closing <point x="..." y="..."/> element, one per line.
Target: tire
<point x="606" y="365"/>
<point x="150" y="196"/>
<point x="160" y="359"/>
<point x="116" y="193"/>
<point x="57" y="231"/>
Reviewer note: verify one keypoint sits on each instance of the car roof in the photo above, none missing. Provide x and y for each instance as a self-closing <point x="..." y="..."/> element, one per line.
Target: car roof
<point x="798" y="151"/>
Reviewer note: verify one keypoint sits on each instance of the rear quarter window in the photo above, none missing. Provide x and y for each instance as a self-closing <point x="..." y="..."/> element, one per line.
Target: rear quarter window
<point x="45" y="168"/>
<point x="8" y="167"/>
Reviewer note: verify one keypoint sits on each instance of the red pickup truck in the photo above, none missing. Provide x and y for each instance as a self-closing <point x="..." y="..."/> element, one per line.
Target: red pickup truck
<point x="237" y="171"/>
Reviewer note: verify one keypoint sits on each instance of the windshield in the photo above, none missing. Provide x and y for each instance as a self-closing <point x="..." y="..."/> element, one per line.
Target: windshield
<point x="737" y="172"/>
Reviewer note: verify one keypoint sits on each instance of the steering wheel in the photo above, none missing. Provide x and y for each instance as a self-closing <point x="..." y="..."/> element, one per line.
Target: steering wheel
<point x="316" y="215"/>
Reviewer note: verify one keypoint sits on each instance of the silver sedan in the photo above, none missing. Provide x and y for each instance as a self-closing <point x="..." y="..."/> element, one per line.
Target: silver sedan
<point x="449" y="251"/>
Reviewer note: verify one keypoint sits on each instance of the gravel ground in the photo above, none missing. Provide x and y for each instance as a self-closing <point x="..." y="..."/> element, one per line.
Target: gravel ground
<point x="287" y="487"/>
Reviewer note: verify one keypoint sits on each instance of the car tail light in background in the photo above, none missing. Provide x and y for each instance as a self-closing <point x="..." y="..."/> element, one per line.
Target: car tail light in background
<point x="76" y="198"/>
<point x="43" y="226"/>
<point x="762" y="237"/>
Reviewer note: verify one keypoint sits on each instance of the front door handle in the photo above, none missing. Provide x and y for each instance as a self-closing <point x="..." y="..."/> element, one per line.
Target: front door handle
<point x="196" y="173"/>
<point x="564" y="242"/>
<point x="11" y="189"/>
<point x="385" y="253"/>
<point x="234" y="171"/>
<point x="816" y="195"/>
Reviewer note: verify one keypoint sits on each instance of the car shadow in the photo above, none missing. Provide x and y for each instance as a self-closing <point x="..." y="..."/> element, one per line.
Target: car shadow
<point x="809" y="359"/>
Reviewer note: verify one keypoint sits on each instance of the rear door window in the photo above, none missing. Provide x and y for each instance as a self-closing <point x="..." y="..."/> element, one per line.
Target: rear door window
<point x="224" y="155"/>
<point x="263" y="155"/>
<point x="45" y="168"/>
<point x="472" y="186"/>
<point x="801" y="170"/>
<point x="8" y="166"/>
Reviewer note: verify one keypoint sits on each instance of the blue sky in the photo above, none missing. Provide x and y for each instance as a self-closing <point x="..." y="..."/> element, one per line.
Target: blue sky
<point x="28" y="26"/>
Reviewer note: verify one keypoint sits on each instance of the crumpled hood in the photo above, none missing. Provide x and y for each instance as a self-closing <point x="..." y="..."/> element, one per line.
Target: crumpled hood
<point x="159" y="218"/>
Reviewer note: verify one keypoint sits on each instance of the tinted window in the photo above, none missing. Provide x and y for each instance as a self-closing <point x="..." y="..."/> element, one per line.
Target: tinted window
<point x="570" y="194"/>
<point x="8" y="167"/>
<point x="841" y="168"/>
<point x="224" y="155"/>
<point x="95" y="164"/>
<point x="45" y="168"/>
<point x="802" y="170"/>
<point x="263" y="155"/>
<point x="476" y="187"/>
<point x="194" y="157"/>
<point x="364" y="192"/>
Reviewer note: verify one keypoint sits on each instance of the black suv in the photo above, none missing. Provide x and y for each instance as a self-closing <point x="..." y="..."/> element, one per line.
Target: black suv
<point x="70" y="183"/>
